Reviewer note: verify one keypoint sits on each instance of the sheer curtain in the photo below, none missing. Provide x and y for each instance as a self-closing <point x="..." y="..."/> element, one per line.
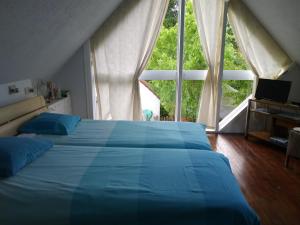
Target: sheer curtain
<point x="264" y="55"/>
<point x="210" y="22"/>
<point x="121" y="49"/>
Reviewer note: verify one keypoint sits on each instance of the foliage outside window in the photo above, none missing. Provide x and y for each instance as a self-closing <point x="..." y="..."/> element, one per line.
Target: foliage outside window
<point x="164" y="57"/>
<point x="233" y="91"/>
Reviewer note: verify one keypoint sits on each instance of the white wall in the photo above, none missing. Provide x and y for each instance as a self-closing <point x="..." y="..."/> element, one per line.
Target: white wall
<point x="72" y="76"/>
<point x="281" y="19"/>
<point x="237" y="125"/>
<point x="150" y="101"/>
<point x="22" y="85"/>
<point x="293" y="75"/>
<point x="38" y="37"/>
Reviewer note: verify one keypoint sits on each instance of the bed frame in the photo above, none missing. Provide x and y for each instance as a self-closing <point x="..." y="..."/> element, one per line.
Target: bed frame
<point x="14" y="115"/>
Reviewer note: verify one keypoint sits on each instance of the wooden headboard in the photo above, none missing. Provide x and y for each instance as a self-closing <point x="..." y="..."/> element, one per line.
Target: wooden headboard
<point x="14" y="115"/>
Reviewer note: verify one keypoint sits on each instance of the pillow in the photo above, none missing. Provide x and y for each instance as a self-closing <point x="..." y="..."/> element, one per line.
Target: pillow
<point x="51" y="123"/>
<point x="17" y="152"/>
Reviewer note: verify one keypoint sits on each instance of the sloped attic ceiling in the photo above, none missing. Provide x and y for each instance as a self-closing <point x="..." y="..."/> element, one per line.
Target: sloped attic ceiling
<point x="282" y="19"/>
<point x="37" y="37"/>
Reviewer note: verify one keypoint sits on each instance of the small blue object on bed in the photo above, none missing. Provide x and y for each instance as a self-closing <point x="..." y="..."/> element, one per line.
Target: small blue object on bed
<point x="51" y="123"/>
<point x="17" y="152"/>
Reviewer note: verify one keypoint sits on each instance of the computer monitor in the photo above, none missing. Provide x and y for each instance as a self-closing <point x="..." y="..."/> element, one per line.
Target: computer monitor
<point x="275" y="90"/>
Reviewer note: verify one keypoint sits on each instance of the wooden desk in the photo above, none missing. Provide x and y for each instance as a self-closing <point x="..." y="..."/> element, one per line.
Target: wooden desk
<point x="271" y="121"/>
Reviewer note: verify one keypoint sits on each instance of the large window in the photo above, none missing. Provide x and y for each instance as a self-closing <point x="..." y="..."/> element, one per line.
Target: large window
<point x="193" y="60"/>
<point x="160" y="72"/>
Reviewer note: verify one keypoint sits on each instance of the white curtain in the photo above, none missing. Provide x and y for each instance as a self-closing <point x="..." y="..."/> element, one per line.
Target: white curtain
<point x="264" y="55"/>
<point x="120" y="50"/>
<point x="210" y="21"/>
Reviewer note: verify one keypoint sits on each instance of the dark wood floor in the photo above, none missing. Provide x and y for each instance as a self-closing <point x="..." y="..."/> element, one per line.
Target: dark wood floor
<point x="272" y="190"/>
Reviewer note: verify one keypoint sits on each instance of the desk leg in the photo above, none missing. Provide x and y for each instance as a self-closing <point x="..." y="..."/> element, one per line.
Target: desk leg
<point x="286" y="162"/>
<point x="247" y="119"/>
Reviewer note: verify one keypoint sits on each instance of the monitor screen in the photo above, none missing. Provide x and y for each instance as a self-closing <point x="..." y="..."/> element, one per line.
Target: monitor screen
<point x="275" y="90"/>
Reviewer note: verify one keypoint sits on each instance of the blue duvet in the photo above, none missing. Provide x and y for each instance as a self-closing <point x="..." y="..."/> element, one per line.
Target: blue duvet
<point x="136" y="134"/>
<point x="111" y="186"/>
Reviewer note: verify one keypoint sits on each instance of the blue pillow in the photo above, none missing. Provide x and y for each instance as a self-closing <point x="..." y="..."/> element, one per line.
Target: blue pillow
<point x="17" y="152"/>
<point x="51" y="123"/>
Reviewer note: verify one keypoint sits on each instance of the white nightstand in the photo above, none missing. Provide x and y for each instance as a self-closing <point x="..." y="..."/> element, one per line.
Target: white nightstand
<point x="62" y="105"/>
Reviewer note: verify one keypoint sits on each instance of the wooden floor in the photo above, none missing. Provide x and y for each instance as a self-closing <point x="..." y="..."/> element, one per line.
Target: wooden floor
<point x="272" y="190"/>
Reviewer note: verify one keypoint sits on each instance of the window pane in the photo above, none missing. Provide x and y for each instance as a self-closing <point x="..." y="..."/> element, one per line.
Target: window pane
<point x="163" y="58"/>
<point x="193" y="54"/>
<point x="234" y="92"/>
<point x="193" y="60"/>
<point x="233" y="58"/>
<point x="191" y="90"/>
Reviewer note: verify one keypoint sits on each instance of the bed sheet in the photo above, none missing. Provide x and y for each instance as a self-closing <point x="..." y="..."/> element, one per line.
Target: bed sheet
<point x="80" y="185"/>
<point x="142" y="134"/>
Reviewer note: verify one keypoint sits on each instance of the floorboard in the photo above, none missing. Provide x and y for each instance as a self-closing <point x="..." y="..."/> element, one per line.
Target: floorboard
<point x="270" y="188"/>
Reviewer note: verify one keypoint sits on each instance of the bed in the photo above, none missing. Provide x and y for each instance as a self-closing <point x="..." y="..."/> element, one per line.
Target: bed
<point x="136" y="134"/>
<point x="81" y="185"/>
<point x="112" y="133"/>
<point x="137" y="183"/>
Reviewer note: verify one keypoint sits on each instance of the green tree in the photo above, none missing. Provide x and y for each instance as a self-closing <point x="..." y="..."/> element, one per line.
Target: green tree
<point x="171" y="15"/>
<point x="233" y="59"/>
<point x="193" y="54"/>
<point x="234" y="91"/>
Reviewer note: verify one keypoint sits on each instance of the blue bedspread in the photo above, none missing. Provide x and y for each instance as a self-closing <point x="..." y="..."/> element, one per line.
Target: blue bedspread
<point x="111" y="186"/>
<point x="136" y="134"/>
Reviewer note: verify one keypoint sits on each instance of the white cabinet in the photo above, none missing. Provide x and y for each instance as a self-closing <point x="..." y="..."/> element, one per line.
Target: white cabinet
<point x="62" y="105"/>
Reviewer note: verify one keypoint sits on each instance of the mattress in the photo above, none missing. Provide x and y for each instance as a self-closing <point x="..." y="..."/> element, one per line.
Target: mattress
<point x="136" y="134"/>
<point x="80" y="185"/>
